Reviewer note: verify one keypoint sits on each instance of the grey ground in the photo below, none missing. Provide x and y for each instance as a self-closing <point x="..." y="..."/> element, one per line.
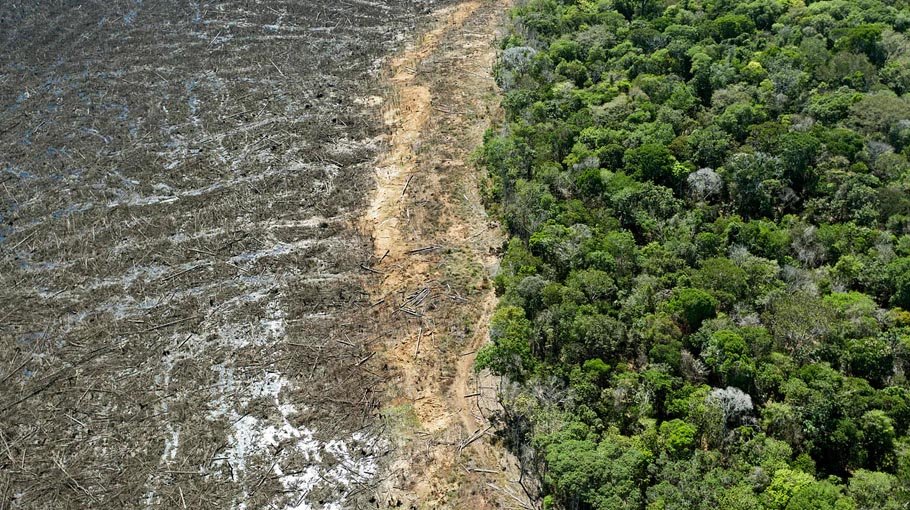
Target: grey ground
<point x="181" y="301"/>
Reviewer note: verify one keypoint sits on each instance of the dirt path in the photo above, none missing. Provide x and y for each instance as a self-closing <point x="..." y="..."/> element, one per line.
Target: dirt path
<point x="434" y="251"/>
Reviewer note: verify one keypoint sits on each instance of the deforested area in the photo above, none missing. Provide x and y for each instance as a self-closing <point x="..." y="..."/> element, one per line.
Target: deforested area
<point x="181" y="274"/>
<point x="705" y="300"/>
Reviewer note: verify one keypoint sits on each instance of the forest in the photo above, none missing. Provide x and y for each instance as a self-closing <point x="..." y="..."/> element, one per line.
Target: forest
<point x="705" y="294"/>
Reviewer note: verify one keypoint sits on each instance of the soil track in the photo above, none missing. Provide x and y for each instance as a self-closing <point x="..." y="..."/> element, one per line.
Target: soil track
<point x="436" y="250"/>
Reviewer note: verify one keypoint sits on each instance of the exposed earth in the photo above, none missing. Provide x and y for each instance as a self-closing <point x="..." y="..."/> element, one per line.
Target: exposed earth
<point x="434" y="252"/>
<point x="243" y="257"/>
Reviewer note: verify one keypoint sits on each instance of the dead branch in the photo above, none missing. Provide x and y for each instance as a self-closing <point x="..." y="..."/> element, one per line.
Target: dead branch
<point x="419" y="337"/>
<point x="422" y="250"/>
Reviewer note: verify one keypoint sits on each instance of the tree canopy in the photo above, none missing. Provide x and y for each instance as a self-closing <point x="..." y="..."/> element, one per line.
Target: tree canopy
<point x="704" y="300"/>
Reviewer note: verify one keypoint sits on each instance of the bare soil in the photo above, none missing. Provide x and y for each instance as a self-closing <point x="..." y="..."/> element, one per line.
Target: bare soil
<point x="435" y="251"/>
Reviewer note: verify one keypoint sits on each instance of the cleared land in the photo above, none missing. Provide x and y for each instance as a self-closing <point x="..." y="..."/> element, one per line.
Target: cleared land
<point x="434" y="251"/>
<point x="185" y="317"/>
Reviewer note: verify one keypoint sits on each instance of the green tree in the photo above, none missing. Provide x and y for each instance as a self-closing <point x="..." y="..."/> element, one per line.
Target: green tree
<point x="873" y="490"/>
<point x="678" y="437"/>
<point x="692" y="307"/>
<point x="652" y="162"/>
<point x="820" y="495"/>
<point x="784" y="485"/>
<point x="878" y="438"/>
<point x="870" y="358"/>
<point x="799" y="323"/>
<point x="898" y="275"/>
<point x="833" y="106"/>
<point x="728" y="355"/>
<point x="732" y="25"/>
<point x="709" y="145"/>
<point x="756" y="181"/>
<point x="726" y="281"/>
<point x="509" y="353"/>
<point x="866" y="39"/>
<point x="602" y="476"/>
<point x="737" y="118"/>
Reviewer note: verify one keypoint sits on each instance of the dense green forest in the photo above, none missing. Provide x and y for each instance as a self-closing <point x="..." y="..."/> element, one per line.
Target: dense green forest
<point x="704" y="296"/>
